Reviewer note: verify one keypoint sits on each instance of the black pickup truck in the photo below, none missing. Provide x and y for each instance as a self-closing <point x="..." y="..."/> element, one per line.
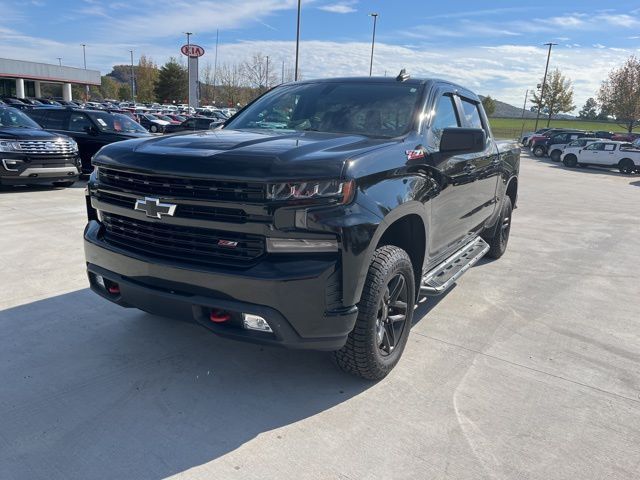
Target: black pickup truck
<point x="314" y="219"/>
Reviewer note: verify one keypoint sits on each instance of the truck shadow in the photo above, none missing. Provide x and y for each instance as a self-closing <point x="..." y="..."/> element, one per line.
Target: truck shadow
<point x="89" y="387"/>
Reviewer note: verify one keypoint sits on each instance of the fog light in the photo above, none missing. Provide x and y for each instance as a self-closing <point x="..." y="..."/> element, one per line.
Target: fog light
<point x="100" y="281"/>
<point x="254" y="322"/>
<point x="295" y="245"/>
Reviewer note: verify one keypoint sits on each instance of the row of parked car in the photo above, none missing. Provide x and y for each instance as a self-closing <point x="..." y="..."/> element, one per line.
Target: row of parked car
<point x="48" y="143"/>
<point x="584" y="148"/>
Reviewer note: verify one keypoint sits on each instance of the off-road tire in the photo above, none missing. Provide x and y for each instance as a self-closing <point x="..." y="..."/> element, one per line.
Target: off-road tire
<point x="500" y="238"/>
<point x="361" y="354"/>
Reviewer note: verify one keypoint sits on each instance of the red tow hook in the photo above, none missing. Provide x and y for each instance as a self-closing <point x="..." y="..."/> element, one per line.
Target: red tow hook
<point x="219" y="316"/>
<point x="114" y="289"/>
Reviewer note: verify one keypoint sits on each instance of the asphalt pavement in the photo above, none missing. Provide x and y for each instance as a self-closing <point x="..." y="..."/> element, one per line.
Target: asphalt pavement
<point x="529" y="368"/>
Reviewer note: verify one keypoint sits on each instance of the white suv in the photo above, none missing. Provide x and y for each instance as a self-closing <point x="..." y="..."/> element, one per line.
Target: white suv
<point x="605" y="153"/>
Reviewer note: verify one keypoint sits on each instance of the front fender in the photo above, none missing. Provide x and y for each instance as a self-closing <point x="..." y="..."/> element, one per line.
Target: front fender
<point x="390" y="200"/>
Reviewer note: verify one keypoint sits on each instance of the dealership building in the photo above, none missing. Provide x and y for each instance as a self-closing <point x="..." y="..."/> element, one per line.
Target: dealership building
<point x="24" y="79"/>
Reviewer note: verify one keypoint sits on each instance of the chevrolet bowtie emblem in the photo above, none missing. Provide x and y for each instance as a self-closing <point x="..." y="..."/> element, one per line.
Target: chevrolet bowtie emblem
<point x="153" y="208"/>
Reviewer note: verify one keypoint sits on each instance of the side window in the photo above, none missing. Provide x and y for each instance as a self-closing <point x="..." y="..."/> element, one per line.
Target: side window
<point x="609" y="147"/>
<point x="592" y="146"/>
<point x="204" y="122"/>
<point x="471" y="114"/>
<point x="79" y="122"/>
<point x="55" y="119"/>
<point x="190" y="123"/>
<point x="446" y="116"/>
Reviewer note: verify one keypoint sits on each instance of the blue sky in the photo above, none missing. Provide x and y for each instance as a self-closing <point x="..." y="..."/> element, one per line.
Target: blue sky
<point x="494" y="47"/>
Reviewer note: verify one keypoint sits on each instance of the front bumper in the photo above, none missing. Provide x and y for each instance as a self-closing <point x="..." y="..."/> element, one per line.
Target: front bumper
<point x="20" y="169"/>
<point x="290" y="293"/>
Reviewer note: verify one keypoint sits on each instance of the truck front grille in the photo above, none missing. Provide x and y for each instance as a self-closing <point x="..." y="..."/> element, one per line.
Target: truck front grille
<point x="199" y="246"/>
<point x="47" y="147"/>
<point x="198" y="212"/>
<point x="196" y="188"/>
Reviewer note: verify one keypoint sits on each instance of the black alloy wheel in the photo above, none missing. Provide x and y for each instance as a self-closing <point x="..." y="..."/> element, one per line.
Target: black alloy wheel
<point x="392" y="315"/>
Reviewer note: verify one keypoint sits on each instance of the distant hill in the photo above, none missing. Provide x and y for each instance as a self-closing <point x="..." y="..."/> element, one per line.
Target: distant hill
<point x="504" y="110"/>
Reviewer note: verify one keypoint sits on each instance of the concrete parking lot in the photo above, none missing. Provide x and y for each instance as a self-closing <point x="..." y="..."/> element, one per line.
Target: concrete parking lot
<point x="529" y="368"/>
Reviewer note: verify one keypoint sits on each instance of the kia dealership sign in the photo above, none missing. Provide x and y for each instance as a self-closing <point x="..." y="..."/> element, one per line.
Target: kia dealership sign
<point x="191" y="50"/>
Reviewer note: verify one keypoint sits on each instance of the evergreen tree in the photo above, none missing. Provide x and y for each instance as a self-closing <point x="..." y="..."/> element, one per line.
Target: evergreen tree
<point x="172" y="82"/>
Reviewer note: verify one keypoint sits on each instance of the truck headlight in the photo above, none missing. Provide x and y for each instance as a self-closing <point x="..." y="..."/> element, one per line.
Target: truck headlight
<point x="332" y="189"/>
<point x="8" y="145"/>
<point x="73" y="145"/>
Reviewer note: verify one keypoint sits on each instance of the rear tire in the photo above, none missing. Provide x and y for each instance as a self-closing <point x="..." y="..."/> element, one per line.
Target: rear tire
<point x="555" y="155"/>
<point x="498" y="242"/>
<point x="538" y="151"/>
<point x="385" y="312"/>
<point x="153" y="129"/>
<point x="626" y="166"/>
<point x="570" y="161"/>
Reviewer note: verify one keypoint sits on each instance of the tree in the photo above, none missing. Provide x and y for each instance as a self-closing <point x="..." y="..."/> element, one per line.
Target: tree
<point x="558" y="96"/>
<point x="489" y="105"/>
<point x="124" y="91"/>
<point x="619" y="94"/>
<point x="172" y="82"/>
<point x="589" y="110"/>
<point x="258" y="73"/>
<point x="230" y="87"/>
<point x="146" y="79"/>
<point x="109" y="87"/>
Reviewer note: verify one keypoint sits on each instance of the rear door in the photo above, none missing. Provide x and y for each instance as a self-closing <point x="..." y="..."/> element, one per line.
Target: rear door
<point x="589" y="154"/>
<point x="483" y="168"/>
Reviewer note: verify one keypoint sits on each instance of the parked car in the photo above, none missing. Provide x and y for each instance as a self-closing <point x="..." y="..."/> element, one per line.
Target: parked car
<point x="625" y="137"/>
<point x="91" y="129"/>
<point x="604" y="134"/>
<point x="316" y="231"/>
<point x="152" y="123"/>
<point x="177" y="118"/>
<point x="524" y="140"/>
<point x="31" y="155"/>
<point x="606" y="153"/>
<point x="193" y="124"/>
<point x="576" y="145"/>
<point x="545" y="135"/>
<point x="553" y="145"/>
<point x="48" y="101"/>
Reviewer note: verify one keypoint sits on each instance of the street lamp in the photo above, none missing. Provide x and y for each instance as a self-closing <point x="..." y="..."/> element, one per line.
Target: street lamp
<point x="373" y="40"/>
<point x="544" y="83"/>
<point x="188" y="34"/>
<point x="133" y="81"/>
<point x="84" y="57"/>
<point x="59" y="60"/>
<point x="266" y="81"/>
<point x="295" y="75"/>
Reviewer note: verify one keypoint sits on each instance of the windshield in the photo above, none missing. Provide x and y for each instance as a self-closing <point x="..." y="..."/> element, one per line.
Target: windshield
<point x="163" y="117"/>
<point x="12" y="117"/>
<point x="362" y="108"/>
<point x="116" y="122"/>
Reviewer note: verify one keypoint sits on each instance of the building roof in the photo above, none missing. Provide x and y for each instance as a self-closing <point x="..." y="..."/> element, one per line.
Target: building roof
<point x="46" y="72"/>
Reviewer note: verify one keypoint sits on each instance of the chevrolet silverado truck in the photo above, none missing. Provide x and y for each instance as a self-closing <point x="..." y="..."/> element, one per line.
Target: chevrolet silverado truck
<point x="30" y="155"/>
<point x="315" y="218"/>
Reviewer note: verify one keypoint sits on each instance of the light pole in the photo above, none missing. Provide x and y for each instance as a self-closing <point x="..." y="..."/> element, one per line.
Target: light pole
<point x="188" y="34"/>
<point x="295" y="75"/>
<point x="133" y="81"/>
<point x="215" y="69"/>
<point x="524" y="106"/>
<point x="84" y="57"/>
<point x="59" y="61"/>
<point x="544" y="83"/>
<point x="373" y="40"/>
<point x="266" y="80"/>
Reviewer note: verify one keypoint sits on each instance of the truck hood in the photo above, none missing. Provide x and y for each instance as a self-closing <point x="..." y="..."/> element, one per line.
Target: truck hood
<point x="17" y="133"/>
<point x="242" y="154"/>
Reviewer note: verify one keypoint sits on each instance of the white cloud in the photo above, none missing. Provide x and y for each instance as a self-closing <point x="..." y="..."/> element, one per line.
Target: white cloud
<point x="338" y="8"/>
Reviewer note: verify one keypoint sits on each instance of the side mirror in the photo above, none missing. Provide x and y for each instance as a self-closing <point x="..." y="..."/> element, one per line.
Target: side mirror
<point x="458" y="141"/>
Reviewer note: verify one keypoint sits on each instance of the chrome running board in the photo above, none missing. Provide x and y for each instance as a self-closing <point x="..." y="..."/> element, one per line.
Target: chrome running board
<point x="446" y="273"/>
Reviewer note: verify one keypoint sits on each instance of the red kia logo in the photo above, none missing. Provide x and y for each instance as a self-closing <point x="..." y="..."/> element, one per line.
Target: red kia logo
<point x="192" y="50"/>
